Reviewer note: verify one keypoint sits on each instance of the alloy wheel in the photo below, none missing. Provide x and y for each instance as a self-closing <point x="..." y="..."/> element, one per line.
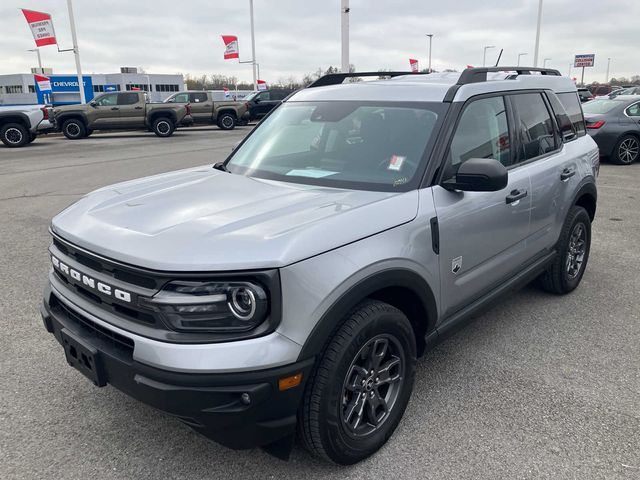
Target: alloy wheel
<point x="576" y="250"/>
<point x="13" y="135"/>
<point x="73" y="130"/>
<point x="372" y="385"/>
<point x="628" y="150"/>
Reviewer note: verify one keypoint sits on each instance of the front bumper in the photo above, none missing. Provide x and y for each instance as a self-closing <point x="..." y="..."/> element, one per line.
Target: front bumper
<point x="239" y="410"/>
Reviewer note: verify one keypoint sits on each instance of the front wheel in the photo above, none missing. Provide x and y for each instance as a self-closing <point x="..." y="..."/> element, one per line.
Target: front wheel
<point x="163" y="127"/>
<point x="565" y="273"/>
<point x="14" y="135"/>
<point x="360" y="389"/>
<point x="627" y="150"/>
<point x="226" y="121"/>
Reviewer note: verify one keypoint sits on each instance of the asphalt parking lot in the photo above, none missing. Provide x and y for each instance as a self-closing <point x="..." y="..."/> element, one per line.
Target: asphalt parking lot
<point x="538" y="387"/>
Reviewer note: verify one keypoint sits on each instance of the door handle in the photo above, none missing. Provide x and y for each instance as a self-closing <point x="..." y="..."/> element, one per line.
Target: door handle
<point x="138" y="108"/>
<point x="567" y="173"/>
<point x="115" y="108"/>
<point x="516" y="195"/>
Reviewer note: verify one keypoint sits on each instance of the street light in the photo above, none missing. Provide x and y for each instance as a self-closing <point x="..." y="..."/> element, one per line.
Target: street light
<point x="608" y="65"/>
<point x="544" y="62"/>
<point x="520" y="55"/>
<point x="37" y="50"/>
<point x="539" y="26"/>
<point x="484" y="55"/>
<point x="430" y="35"/>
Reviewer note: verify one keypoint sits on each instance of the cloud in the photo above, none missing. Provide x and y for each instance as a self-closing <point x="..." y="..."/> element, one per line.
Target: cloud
<point x="294" y="37"/>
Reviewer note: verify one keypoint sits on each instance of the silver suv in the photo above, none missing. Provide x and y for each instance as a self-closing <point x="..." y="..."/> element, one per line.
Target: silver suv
<point x="292" y="287"/>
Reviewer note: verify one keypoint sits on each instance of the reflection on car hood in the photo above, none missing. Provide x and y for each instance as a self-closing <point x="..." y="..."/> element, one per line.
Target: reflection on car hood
<point x="206" y="220"/>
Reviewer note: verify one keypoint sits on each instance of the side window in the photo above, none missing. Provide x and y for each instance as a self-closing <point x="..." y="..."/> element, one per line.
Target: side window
<point x="106" y="100"/>
<point x="534" y="126"/>
<point x="181" y="98"/>
<point x="634" y="110"/>
<point x="482" y="132"/>
<point x="127" y="98"/>
<point x="198" y="97"/>
<point x="264" y="96"/>
<point x="562" y="119"/>
<point x="572" y="106"/>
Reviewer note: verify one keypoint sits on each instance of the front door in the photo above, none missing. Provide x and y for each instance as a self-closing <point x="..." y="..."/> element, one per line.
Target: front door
<point x="482" y="234"/>
<point x="105" y="112"/>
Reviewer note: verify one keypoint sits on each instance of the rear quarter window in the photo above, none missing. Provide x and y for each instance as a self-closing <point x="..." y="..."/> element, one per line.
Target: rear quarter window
<point x="573" y="107"/>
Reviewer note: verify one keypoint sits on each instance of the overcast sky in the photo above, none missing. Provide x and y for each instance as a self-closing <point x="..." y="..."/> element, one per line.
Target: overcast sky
<point x="294" y="37"/>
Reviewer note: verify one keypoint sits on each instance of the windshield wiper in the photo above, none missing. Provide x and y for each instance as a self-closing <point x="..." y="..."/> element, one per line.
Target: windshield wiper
<point x="220" y="166"/>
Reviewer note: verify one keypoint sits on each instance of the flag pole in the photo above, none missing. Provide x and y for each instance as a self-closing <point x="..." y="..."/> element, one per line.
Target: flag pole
<point x="344" y="15"/>
<point x="76" y="52"/>
<point x="253" y="48"/>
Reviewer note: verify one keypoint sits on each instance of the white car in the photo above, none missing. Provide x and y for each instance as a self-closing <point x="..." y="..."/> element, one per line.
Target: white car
<point x="20" y="124"/>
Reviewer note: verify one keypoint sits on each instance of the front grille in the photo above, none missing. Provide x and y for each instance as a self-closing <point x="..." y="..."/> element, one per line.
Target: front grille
<point x="92" y="329"/>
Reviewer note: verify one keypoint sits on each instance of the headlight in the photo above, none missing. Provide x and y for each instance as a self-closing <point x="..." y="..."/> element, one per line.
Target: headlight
<point x="210" y="306"/>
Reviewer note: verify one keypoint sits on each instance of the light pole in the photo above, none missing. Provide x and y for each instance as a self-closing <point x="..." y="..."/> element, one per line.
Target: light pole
<point x="535" y="54"/>
<point x="253" y="47"/>
<point x="606" y="79"/>
<point x="37" y="50"/>
<point x="76" y="52"/>
<point x="430" y="35"/>
<point x="520" y="55"/>
<point x="344" y="23"/>
<point x="484" y="55"/>
<point x="544" y="62"/>
<point x="570" y="67"/>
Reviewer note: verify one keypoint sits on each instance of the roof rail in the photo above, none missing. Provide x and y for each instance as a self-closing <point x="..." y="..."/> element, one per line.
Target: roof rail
<point x="338" y="78"/>
<point x="479" y="74"/>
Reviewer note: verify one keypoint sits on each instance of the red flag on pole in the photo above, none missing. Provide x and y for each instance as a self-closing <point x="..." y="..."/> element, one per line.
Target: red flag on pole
<point x="414" y="65"/>
<point x="41" y="27"/>
<point x="44" y="83"/>
<point x="262" y="85"/>
<point x="232" y="50"/>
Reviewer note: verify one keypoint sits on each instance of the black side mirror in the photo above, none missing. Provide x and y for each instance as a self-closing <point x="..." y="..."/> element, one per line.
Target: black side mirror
<point x="93" y="104"/>
<point x="479" y="175"/>
<point x="256" y="100"/>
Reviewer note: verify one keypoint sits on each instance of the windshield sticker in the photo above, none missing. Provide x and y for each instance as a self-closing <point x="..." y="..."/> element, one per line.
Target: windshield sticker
<point x="310" y="172"/>
<point x="395" y="163"/>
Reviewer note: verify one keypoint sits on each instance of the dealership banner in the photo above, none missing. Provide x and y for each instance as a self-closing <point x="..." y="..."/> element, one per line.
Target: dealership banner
<point x="262" y="85"/>
<point x="587" y="60"/>
<point x="232" y="50"/>
<point x="41" y="27"/>
<point x="414" y="65"/>
<point x="44" y="83"/>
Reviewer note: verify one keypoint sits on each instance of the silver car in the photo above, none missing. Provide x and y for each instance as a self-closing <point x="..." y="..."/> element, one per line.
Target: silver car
<point x="293" y="286"/>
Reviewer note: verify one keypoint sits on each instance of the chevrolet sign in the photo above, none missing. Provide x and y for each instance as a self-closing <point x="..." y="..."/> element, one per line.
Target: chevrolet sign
<point x="90" y="282"/>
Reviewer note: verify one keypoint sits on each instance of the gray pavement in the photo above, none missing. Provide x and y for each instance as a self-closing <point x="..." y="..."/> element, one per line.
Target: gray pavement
<point x="538" y="387"/>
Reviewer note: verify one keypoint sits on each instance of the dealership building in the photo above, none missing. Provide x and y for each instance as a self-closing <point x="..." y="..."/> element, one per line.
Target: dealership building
<point x="21" y="88"/>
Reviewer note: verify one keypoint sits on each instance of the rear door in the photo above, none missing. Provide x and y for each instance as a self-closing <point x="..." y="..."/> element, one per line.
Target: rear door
<point x="132" y="109"/>
<point x="201" y="107"/>
<point x="482" y="234"/>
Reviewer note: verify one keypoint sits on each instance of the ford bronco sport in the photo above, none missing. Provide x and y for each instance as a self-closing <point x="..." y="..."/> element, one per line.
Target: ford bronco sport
<point x="291" y="287"/>
<point x="204" y="110"/>
<point x="119" y="111"/>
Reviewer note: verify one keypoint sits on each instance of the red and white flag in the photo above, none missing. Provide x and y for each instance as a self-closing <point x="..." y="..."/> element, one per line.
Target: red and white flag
<point x="41" y="26"/>
<point x="232" y="50"/>
<point x="414" y="65"/>
<point x="262" y="85"/>
<point x="44" y="83"/>
<point x="227" y="94"/>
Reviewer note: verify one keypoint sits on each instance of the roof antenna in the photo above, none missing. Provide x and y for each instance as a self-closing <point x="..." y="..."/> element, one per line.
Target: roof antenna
<point x="499" y="56"/>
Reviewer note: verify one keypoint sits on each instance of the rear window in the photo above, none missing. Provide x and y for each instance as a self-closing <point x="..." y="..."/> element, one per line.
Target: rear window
<point x="572" y="106"/>
<point x="600" y="106"/>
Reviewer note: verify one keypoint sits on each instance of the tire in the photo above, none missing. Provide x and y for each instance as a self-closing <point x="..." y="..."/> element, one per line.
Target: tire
<point x="567" y="269"/>
<point x="328" y="417"/>
<point x="226" y="121"/>
<point x="74" y="129"/>
<point x="163" y="127"/>
<point x="627" y="150"/>
<point x="14" y="135"/>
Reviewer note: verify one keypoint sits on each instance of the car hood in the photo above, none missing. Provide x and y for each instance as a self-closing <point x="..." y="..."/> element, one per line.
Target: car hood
<point x="205" y="220"/>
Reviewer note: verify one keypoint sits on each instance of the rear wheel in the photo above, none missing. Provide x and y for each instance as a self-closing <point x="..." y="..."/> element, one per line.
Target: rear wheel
<point x="359" y="391"/>
<point x="226" y="121"/>
<point x="163" y="127"/>
<point x="627" y="150"/>
<point x="565" y="273"/>
<point x="74" y="129"/>
<point x="14" y="135"/>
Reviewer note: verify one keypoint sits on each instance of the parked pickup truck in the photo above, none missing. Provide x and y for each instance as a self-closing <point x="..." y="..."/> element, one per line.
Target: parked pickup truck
<point x="21" y="124"/>
<point x="225" y="114"/>
<point x="119" y="111"/>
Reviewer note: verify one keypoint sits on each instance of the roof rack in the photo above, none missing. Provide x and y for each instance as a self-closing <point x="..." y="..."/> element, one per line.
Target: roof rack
<point x="475" y="75"/>
<point x="338" y="78"/>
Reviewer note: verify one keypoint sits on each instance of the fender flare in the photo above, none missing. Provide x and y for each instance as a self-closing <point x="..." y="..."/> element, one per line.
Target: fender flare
<point x="64" y="116"/>
<point x="23" y="118"/>
<point x="588" y="188"/>
<point x="163" y="113"/>
<point x="333" y="318"/>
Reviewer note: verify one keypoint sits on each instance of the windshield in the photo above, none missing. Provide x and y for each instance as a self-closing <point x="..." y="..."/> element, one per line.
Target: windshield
<point x="600" y="106"/>
<point x="359" y="145"/>
<point x="250" y="96"/>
